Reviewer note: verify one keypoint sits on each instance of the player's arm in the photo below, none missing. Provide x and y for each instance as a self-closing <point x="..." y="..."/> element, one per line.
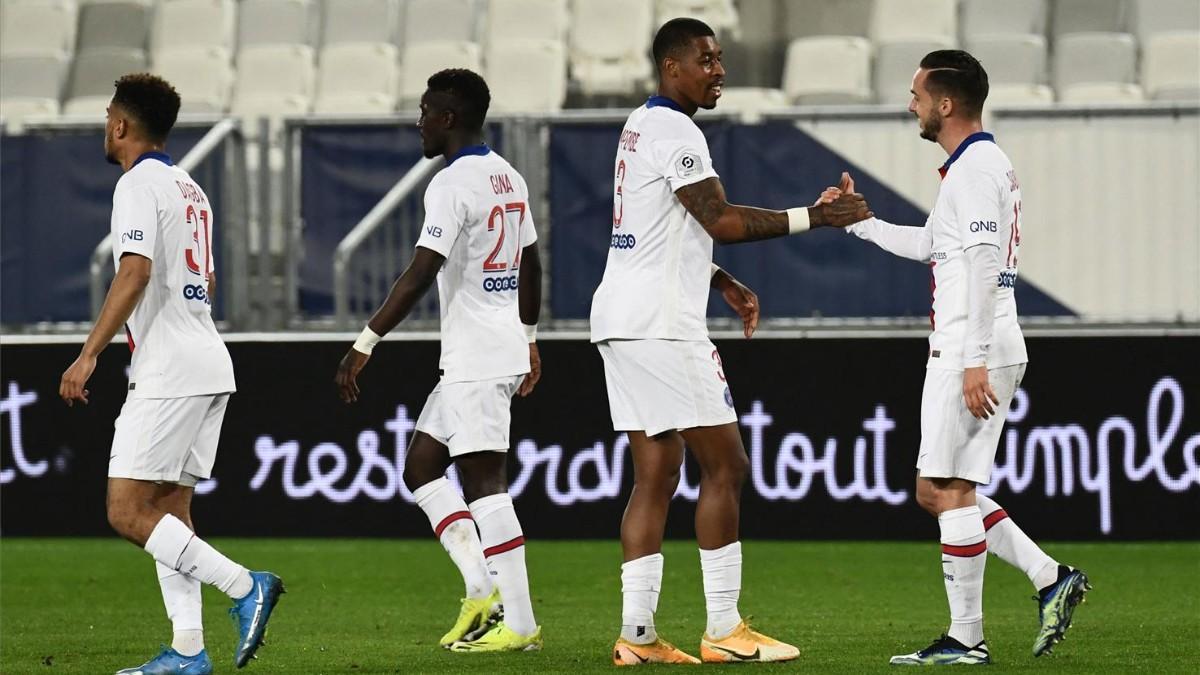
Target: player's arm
<point x="739" y="297"/>
<point x="730" y="223"/>
<point x="976" y="207"/>
<point x="914" y="243"/>
<point x="406" y="291"/>
<point x="133" y="274"/>
<point x="529" y="301"/>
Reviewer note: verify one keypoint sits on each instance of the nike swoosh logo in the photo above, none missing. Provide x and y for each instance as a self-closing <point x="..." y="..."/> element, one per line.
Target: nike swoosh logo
<point x="739" y="655"/>
<point x="185" y="665"/>
<point x="640" y="658"/>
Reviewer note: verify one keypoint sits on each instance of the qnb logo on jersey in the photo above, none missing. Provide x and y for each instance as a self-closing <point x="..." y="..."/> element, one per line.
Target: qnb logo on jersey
<point x="500" y="284"/>
<point x="196" y="292"/>
<point x="984" y="226"/>
<point x="132" y="235"/>
<point x="623" y="241"/>
<point x="1007" y="279"/>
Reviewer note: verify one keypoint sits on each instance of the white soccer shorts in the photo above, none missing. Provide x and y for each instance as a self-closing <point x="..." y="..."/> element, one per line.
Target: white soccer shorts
<point x="470" y="416"/>
<point x="167" y="440"/>
<point x="664" y="385"/>
<point x="954" y="444"/>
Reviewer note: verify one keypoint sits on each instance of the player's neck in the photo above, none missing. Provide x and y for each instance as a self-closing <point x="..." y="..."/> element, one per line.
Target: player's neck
<point x="688" y="109"/>
<point x="455" y="145"/>
<point x="131" y="154"/>
<point x="954" y="133"/>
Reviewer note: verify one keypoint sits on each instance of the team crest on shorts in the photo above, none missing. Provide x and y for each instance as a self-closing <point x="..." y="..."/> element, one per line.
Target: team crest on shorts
<point x="728" y="397"/>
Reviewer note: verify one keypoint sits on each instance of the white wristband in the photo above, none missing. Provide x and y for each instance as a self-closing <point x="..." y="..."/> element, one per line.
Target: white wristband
<point x="366" y="341"/>
<point x="713" y="269"/>
<point x="530" y="333"/>
<point x="797" y="220"/>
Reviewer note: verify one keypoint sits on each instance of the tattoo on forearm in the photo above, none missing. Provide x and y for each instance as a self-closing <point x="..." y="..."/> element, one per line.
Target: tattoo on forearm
<point x="760" y="224"/>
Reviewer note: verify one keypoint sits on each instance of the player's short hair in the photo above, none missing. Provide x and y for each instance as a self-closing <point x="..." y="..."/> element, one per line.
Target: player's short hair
<point x="469" y="92"/>
<point x="676" y="35"/>
<point x="957" y="74"/>
<point x="151" y="100"/>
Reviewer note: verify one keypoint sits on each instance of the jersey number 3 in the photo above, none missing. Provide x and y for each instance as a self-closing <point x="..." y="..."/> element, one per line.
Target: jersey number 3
<point x="198" y="219"/>
<point x="498" y="220"/>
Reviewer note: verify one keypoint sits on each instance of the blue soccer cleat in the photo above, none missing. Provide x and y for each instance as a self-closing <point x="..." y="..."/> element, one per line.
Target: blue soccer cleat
<point x="252" y="612"/>
<point x="1056" y="607"/>
<point x="946" y="651"/>
<point x="171" y="661"/>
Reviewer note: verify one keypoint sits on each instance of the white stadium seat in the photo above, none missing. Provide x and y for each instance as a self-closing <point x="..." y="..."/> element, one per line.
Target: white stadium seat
<point x="720" y="15"/>
<point x="828" y="70"/>
<point x="441" y="21"/>
<point x="37" y="26"/>
<point x="1101" y="92"/>
<point x="1019" y="94"/>
<point x="1082" y="58"/>
<point x="749" y="102"/>
<point x="1087" y="16"/>
<point x="202" y="76"/>
<point x="1171" y="66"/>
<point x="915" y="20"/>
<point x="1009" y="17"/>
<point x="527" y="76"/>
<point x="1151" y="17"/>
<point x="821" y="18"/>
<point x="275" y="22"/>
<point x="114" y="23"/>
<point x="360" y="21"/>
<point x="358" y="78"/>
<point x="92" y="75"/>
<point x="610" y="45"/>
<point x="31" y="86"/>
<point x="424" y="59"/>
<point x="193" y="23"/>
<point x="274" y="80"/>
<point x="895" y="65"/>
<point x="509" y="20"/>
<point x="1011" y="59"/>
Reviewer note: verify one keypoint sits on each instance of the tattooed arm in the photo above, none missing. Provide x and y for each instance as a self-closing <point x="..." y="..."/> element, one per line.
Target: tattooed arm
<point x="730" y="224"/>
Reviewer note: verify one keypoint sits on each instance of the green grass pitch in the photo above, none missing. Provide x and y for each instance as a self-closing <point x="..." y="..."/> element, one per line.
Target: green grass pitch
<point x="377" y="606"/>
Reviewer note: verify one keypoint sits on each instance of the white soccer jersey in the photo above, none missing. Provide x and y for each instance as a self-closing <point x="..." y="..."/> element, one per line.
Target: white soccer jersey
<point x="477" y="216"/>
<point x="160" y="213"/>
<point x="656" y="280"/>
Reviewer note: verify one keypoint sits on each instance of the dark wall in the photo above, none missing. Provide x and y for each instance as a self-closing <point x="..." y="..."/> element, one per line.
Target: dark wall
<point x="1102" y="442"/>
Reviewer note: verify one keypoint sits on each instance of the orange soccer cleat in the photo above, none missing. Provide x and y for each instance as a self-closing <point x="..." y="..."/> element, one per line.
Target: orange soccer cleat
<point x="745" y="645"/>
<point x="626" y="653"/>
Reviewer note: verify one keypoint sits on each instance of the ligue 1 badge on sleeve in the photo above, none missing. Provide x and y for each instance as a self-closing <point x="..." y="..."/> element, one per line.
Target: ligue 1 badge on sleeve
<point x="688" y="165"/>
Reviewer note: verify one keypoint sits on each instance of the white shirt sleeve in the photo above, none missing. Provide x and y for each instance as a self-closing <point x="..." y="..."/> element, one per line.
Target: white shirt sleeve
<point x="683" y="159"/>
<point x="135" y="219"/>
<point x="914" y="243"/>
<point x="977" y="215"/>
<point x="445" y="214"/>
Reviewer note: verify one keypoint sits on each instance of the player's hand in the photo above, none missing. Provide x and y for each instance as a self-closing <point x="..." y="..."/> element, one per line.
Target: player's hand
<point x="744" y="302"/>
<point x="978" y="393"/>
<point x="535" y="371"/>
<point x="844" y="206"/>
<point x="71" y="387"/>
<point x="347" y="374"/>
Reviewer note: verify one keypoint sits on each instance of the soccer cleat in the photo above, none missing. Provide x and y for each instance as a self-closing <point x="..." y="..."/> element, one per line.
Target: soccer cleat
<point x="946" y="651"/>
<point x="626" y="653"/>
<point x="1056" y="606"/>
<point x="744" y="645"/>
<point x="251" y="613"/>
<point x="474" y="619"/>
<point x="171" y="661"/>
<point x="501" y="638"/>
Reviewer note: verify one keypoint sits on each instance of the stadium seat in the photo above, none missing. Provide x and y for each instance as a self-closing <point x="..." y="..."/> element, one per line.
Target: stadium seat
<point x="895" y="64"/>
<point x="358" y="78"/>
<point x="441" y="21"/>
<point x="982" y="18"/>
<point x="915" y="20"/>
<point x="509" y="20"/>
<point x="37" y="26"/>
<point x="610" y="44"/>
<point x="1087" y="16"/>
<point x="92" y="76"/>
<point x="527" y="76"/>
<point x="275" y="22"/>
<point x="114" y="23"/>
<point x="1151" y="17"/>
<point x="1019" y="94"/>
<point x="194" y="23"/>
<point x="424" y="59"/>
<point x="1171" y="66"/>
<point x="274" y="80"/>
<point x="749" y="103"/>
<point x="30" y="86"/>
<point x="828" y="70"/>
<point x="813" y="18"/>
<point x="1101" y="92"/>
<point x="202" y="76"/>
<point x="720" y="15"/>
<point x="369" y="21"/>
<point x="1081" y="58"/>
<point x="1012" y="59"/>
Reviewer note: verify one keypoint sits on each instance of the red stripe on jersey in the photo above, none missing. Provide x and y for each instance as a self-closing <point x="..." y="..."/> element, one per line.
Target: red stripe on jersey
<point x="457" y="515"/>
<point x="507" y="546"/>
<point x="129" y="338"/>
<point x="942" y="172"/>
<point x="992" y="518"/>
<point x="968" y="551"/>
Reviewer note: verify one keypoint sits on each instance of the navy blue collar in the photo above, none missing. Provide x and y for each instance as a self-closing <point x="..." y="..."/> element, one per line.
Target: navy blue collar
<point x="481" y="149"/>
<point x="153" y="154"/>
<point x="656" y="101"/>
<point x="962" y="147"/>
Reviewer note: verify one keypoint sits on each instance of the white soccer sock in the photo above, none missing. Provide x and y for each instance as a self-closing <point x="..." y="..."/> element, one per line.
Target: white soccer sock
<point x="641" y="581"/>
<point x="174" y="545"/>
<point x="504" y="550"/>
<point x="181" y="596"/>
<point x="453" y="526"/>
<point x="1013" y="546"/>
<point x="964" y="555"/>
<point x="722" y="568"/>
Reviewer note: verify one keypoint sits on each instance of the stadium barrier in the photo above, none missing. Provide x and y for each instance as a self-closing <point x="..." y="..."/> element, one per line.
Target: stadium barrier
<point x="1096" y="448"/>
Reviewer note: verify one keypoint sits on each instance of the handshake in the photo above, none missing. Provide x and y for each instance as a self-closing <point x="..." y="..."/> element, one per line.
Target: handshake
<point x="840" y="206"/>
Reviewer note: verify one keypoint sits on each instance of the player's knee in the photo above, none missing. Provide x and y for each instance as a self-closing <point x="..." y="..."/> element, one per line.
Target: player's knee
<point x="930" y="499"/>
<point x="122" y="517"/>
<point x="730" y="471"/>
<point x="661" y="481"/>
<point x="415" y="476"/>
<point x="479" y="487"/>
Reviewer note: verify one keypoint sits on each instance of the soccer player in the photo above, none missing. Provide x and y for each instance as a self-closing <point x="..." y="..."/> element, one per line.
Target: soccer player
<point x="479" y="242"/>
<point x="179" y="381"/>
<point x="976" y="358"/>
<point x="666" y="387"/>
